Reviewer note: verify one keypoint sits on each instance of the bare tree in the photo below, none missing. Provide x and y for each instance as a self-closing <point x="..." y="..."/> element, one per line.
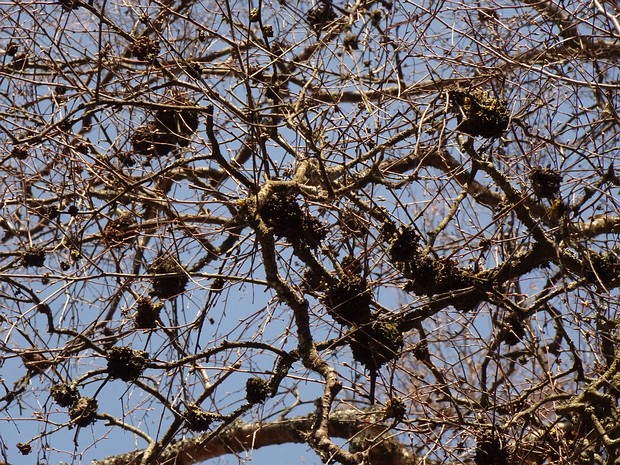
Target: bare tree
<point x="384" y="229"/>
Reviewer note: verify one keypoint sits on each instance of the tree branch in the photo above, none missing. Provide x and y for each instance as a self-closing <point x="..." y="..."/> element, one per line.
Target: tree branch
<point x="243" y="437"/>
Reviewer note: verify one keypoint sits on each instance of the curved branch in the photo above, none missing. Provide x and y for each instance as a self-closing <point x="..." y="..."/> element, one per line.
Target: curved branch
<point x="242" y="437"/>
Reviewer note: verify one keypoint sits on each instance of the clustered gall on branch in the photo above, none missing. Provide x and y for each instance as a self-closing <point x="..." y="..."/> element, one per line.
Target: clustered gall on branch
<point x="64" y="395"/>
<point x="147" y="313"/>
<point x="33" y="256"/>
<point x="545" y="182"/>
<point x="84" y="411"/>
<point x="168" y="287"/>
<point x="348" y="300"/>
<point x="121" y="230"/>
<point x="282" y="213"/>
<point x="171" y="127"/>
<point x="125" y="363"/>
<point x="256" y="390"/>
<point x="478" y="113"/>
<point x="427" y="275"/>
<point x="197" y="419"/>
<point x="376" y="344"/>
<point x="490" y="451"/>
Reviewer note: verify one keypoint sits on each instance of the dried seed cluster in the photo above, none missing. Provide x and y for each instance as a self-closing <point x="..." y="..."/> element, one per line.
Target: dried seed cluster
<point x="24" y="449"/>
<point x="351" y="42"/>
<point x="20" y="153"/>
<point x="193" y="69"/>
<point x="126" y="363"/>
<point x="395" y="408"/>
<point x="267" y="29"/>
<point x="146" y="49"/>
<point x="479" y="114"/>
<point x="320" y="14"/>
<point x="254" y="15"/>
<point x="11" y="49"/>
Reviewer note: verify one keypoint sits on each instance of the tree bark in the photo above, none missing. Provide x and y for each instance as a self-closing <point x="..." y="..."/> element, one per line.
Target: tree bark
<point x="360" y="427"/>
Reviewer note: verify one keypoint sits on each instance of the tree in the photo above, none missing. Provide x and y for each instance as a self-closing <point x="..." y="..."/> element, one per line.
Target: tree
<point x="387" y="230"/>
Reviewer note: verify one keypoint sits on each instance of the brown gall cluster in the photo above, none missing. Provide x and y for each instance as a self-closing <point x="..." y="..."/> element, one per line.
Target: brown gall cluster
<point x="479" y="114"/>
<point x="283" y="214"/>
<point x="125" y="363"/>
<point x="167" y="287"/>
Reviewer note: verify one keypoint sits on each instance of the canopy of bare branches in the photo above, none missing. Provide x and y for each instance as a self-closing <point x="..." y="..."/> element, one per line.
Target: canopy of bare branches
<point x="387" y="230"/>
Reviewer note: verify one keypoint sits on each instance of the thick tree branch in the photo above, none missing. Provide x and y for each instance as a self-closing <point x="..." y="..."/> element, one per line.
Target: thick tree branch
<point x="243" y="437"/>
